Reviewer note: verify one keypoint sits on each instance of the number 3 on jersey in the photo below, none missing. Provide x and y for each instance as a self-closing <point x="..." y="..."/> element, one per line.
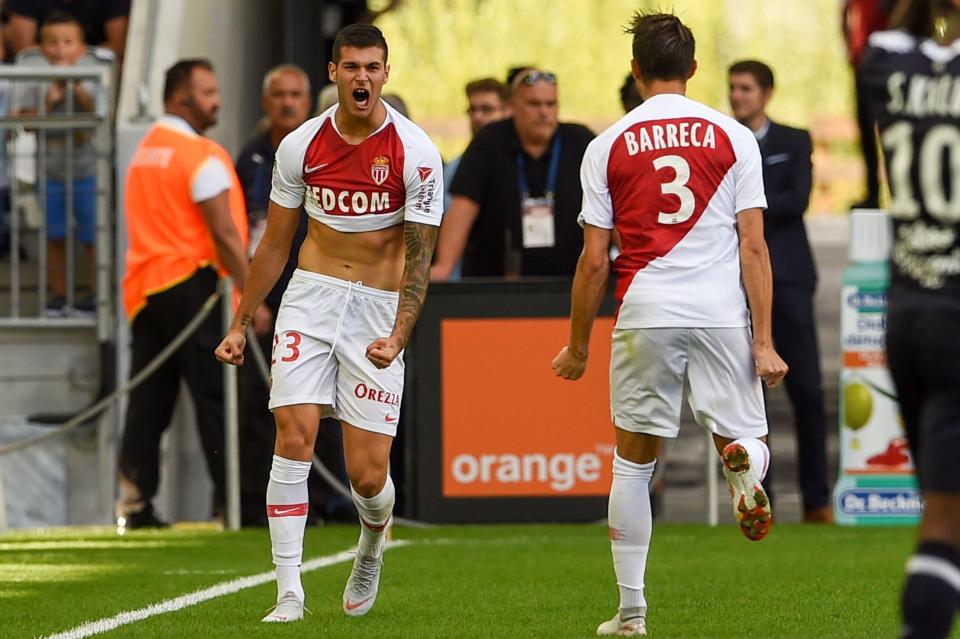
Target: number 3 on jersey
<point x="678" y="187"/>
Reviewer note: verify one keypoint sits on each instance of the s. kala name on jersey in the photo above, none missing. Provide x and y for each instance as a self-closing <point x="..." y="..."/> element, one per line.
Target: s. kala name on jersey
<point x="918" y="95"/>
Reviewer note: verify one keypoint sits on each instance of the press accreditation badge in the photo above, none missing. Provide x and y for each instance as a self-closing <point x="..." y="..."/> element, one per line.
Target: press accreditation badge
<point x="538" y="226"/>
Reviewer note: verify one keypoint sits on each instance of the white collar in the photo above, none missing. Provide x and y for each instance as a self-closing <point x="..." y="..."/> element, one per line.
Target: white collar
<point x="940" y="53"/>
<point x="762" y="131"/>
<point x="177" y="123"/>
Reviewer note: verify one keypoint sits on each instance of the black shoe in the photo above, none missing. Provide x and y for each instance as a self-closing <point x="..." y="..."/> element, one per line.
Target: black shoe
<point x="145" y="518"/>
<point x="866" y="203"/>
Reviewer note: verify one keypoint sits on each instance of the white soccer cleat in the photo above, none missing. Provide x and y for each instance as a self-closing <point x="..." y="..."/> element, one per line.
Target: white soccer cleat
<point x="361" y="591"/>
<point x="636" y="627"/>
<point x="751" y="506"/>
<point x="289" y="608"/>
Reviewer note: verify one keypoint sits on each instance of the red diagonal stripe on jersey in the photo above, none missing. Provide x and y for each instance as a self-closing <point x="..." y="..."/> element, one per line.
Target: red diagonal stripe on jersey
<point x="287" y="510"/>
<point x="636" y="191"/>
<point x="425" y="172"/>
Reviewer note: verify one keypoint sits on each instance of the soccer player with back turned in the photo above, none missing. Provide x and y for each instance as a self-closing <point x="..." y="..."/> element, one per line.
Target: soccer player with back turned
<point x="371" y="182"/>
<point x="912" y="77"/>
<point x="682" y="184"/>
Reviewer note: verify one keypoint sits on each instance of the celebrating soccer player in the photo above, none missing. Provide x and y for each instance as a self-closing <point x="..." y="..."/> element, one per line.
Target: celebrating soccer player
<point x="682" y="185"/>
<point x="913" y="83"/>
<point x="371" y="183"/>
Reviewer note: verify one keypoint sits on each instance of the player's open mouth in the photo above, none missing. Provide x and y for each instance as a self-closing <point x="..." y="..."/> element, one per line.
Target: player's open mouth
<point x="361" y="97"/>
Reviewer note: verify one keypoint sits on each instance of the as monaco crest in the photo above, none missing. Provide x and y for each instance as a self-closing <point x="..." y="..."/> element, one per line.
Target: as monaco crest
<point x="380" y="170"/>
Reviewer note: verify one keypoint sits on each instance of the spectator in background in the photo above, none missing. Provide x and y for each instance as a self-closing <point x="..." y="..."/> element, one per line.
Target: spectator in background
<point x="397" y="103"/>
<point x="860" y="19"/>
<point x="104" y="22"/>
<point x="487" y="101"/>
<point x="516" y="193"/>
<point x="286" y="103"/>
<point x="61" y="44"/>
<point x="5" y="99"/>
<point x="186" y="226"/>
<point x="630" y="97"/>
<point x="326" y="98"/>
<point x="787" y="179"/>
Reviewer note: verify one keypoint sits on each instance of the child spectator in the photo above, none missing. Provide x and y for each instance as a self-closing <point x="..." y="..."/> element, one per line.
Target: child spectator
<point x="62" y="44"/>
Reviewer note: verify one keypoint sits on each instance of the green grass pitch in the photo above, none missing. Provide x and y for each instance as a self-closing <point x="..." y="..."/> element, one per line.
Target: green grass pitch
<point x="467" y="581"/>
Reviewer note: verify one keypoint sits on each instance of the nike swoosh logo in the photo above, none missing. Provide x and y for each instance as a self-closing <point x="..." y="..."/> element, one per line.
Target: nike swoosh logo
<point x="311" y="169"/>
<point x="349" y="605"/>
<point x="390" y="419"/>
<point x="284" y="512"/>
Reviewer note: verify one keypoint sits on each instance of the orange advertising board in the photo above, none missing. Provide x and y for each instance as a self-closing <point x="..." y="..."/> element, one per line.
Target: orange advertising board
<point x="509" y="426"/>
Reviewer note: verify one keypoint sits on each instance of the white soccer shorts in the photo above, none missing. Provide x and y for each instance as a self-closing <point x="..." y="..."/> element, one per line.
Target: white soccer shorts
<point x="323" y="328"/>
<point x="650" y="368"/>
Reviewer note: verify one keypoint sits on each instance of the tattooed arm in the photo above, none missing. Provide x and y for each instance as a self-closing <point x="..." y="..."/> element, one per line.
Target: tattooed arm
<point x="420" y="240"/>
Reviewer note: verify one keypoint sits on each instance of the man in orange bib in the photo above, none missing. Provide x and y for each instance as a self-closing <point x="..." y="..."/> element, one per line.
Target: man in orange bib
<point x="186" y="227"/>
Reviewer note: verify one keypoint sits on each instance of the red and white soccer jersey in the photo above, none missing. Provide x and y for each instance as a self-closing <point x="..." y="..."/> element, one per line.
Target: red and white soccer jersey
<point x="325" y="324"/>
<point x="671" y="176"/>
<point x="392" y="176"/>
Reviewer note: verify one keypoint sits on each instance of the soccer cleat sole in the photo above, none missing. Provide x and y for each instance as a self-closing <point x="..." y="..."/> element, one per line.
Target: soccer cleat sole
<point x="751" y="506"/>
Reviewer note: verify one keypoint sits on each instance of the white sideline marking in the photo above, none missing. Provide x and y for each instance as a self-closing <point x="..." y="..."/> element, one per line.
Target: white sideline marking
<point x="185" y="601"/>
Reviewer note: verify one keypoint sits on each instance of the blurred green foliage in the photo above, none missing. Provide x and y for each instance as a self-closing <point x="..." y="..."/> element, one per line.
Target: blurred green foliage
<point x="437" y="46"/>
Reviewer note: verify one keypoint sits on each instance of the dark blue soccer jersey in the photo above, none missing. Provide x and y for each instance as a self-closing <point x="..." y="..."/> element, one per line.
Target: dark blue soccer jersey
<point x="914" y="94"/>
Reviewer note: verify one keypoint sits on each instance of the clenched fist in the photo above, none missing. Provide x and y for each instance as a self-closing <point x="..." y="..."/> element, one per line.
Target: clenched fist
<point x="231" y="348"/>
<point x="569" y="364"/>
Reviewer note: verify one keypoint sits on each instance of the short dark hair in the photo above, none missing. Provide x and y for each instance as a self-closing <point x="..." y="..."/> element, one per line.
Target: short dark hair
<point x="489" y="85"/>
<point x="62" y="17"/>
<point x="180" y="75"/>
<point x="663" y="47"/>
<point x="359" y="36"/>
<point x="760" y="72"/>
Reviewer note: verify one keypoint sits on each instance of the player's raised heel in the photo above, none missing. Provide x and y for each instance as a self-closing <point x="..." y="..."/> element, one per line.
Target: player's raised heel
<point x="751" y="506"/>
<point x="636" y="627"/>
<point x="289" y="608"/>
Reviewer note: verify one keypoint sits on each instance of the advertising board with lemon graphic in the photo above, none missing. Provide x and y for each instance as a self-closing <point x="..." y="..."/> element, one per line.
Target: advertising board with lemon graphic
<point x="876" y="484"/>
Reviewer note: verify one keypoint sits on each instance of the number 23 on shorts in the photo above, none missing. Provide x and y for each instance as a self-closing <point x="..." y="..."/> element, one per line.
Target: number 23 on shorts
<point x="291" y="346"/>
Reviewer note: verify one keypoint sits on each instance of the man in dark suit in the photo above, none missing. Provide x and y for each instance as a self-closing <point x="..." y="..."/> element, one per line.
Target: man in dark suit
<point x="787" y="179"/>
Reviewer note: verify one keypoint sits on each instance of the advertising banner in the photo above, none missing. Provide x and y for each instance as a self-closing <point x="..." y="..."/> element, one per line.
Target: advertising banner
<point x="509" y="426"/>
<point x="876" y="484"/>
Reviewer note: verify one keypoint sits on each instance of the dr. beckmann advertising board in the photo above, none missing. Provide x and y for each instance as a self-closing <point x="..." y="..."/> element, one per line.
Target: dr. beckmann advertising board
<point x="876" y="484"/>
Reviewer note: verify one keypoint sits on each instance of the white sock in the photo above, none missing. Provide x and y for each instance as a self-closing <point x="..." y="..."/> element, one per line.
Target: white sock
<point x="759" y="455"/>
<point x="630" y="524"/>
<point x="375" y="514"/>
<point x="287" y="506"/>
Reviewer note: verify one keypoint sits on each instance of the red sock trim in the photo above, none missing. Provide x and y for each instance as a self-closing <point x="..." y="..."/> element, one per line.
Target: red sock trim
<point x="372" y="527"/>
<point x="287" y="510"/>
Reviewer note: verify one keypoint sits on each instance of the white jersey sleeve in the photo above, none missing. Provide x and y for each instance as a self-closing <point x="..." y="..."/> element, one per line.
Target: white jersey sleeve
<point x="748" y="173"/>
<point x="597" y="208"/>
<point x="288" y="186"/>
<point x="423" y="180"/>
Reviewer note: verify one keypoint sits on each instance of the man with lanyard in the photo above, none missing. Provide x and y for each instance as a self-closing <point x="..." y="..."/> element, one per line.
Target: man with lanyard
<point x="516" y="193"/>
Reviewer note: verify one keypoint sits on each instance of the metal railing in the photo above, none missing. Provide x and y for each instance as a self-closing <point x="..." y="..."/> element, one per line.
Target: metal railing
<point x="39" y="138"/>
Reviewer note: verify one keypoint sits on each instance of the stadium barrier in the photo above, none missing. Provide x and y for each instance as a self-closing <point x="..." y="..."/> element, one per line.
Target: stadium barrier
<point x="231" y="415"/>
<point x="497" y="437"/>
